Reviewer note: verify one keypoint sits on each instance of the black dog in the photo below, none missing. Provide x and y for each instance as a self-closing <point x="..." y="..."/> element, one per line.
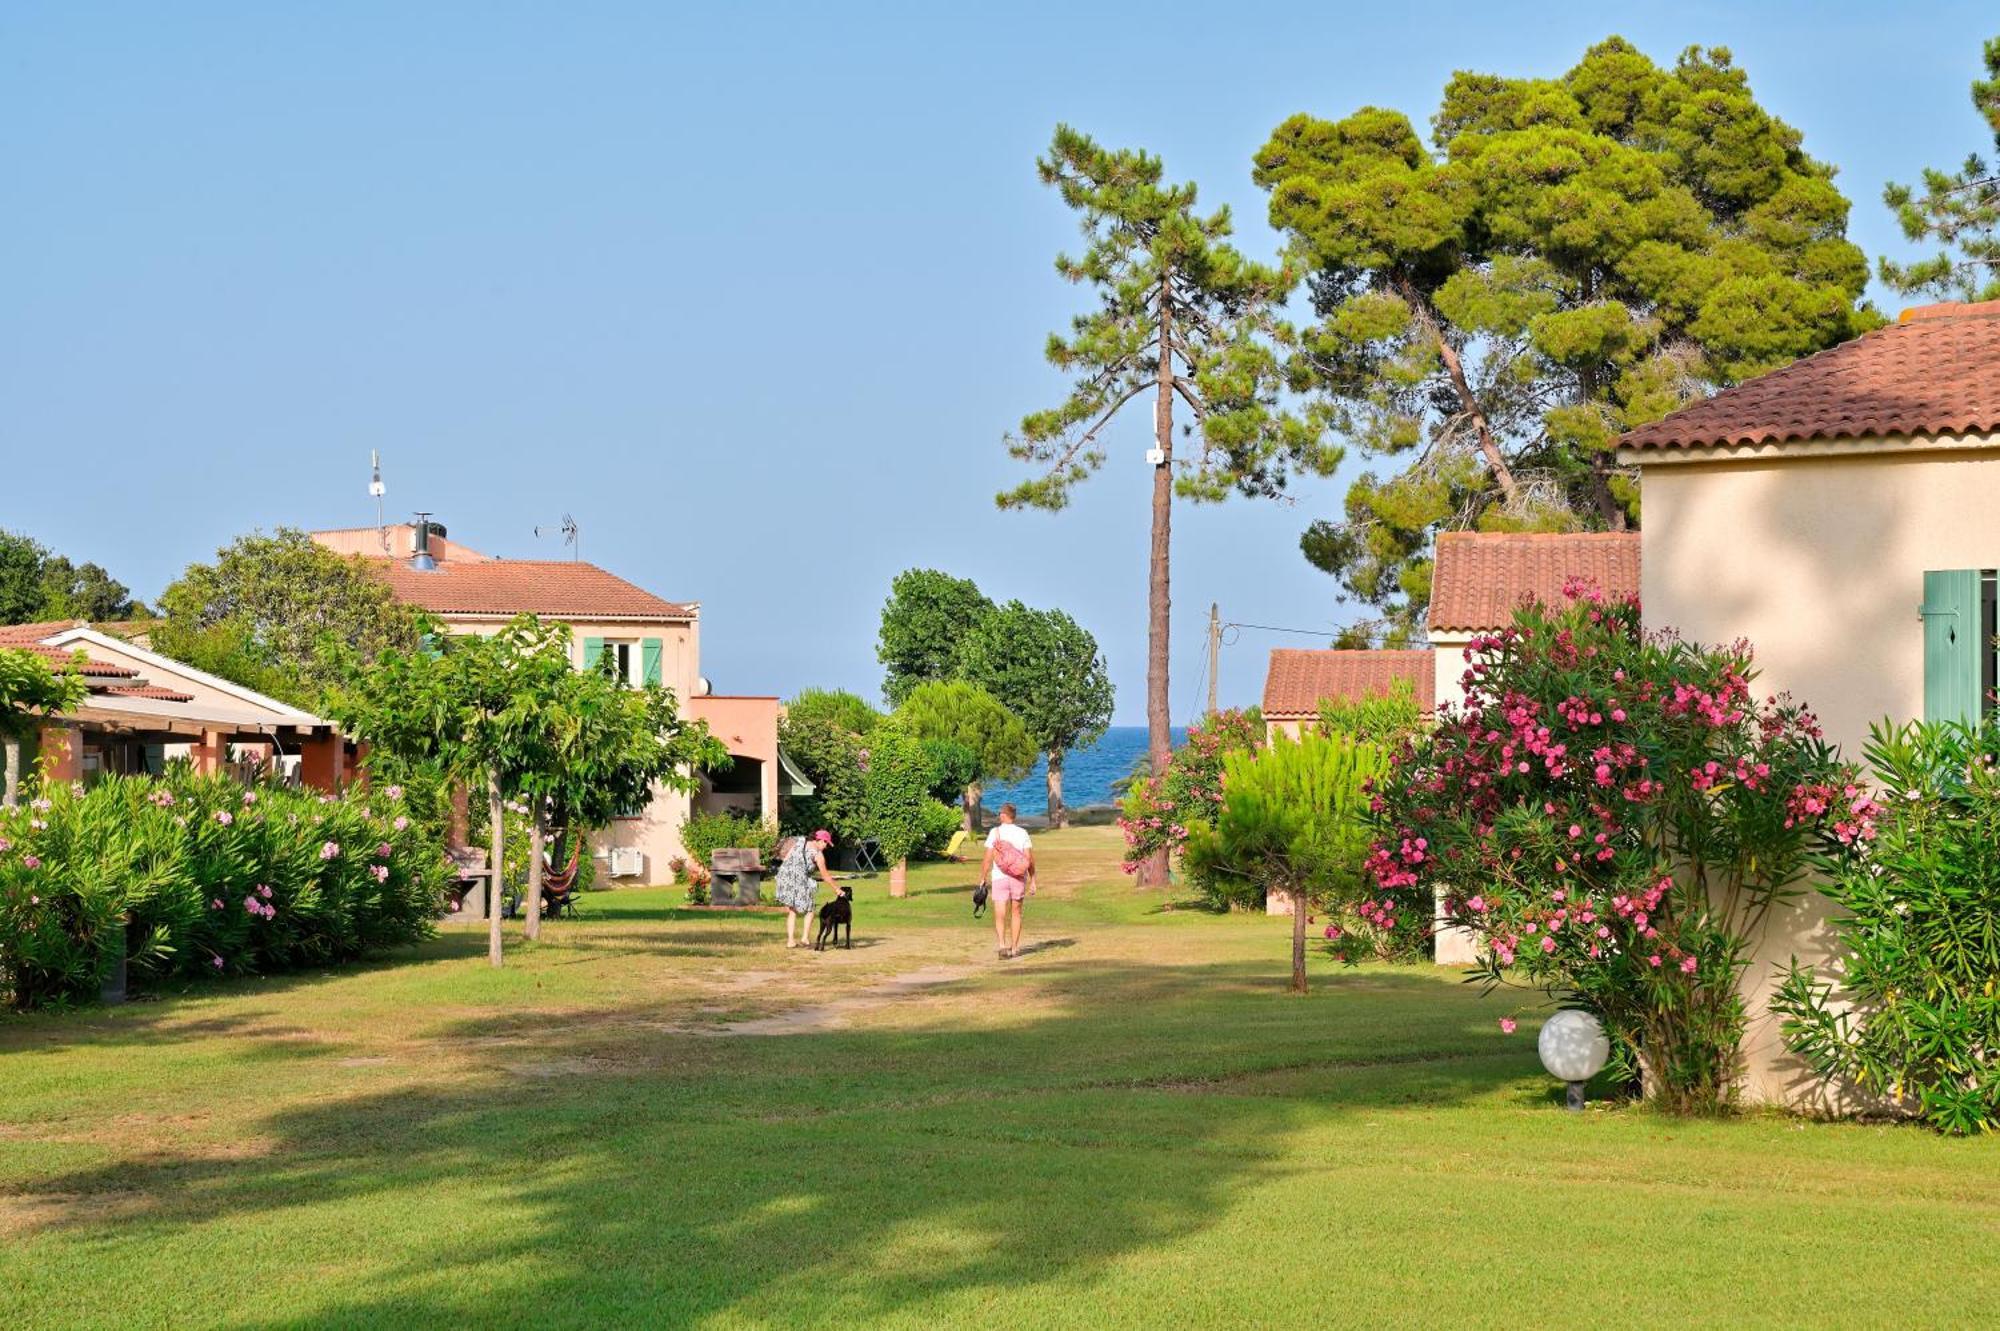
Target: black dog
<point x="838" y="911"/>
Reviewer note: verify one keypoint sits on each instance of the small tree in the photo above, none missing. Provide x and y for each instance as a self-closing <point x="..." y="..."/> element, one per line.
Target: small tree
<point x="1183" y="317"/>
<point x="1614" y="814"/>
<point x="823" y="733"/>
<point x="289" y="603"/>
<point x="970" y="717"/>
<point x="928" y="613"/>
<point x="1046" y="668"/>
<point x="895" y="798"/>
<point x="1959" y="211"/>
<point x="1293" y="819"/>
<point x="587" y="748"/>
<point x="31" y="689"/>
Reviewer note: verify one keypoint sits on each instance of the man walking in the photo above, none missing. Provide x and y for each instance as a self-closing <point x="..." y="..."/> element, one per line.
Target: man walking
<point x="1009" y="875"/>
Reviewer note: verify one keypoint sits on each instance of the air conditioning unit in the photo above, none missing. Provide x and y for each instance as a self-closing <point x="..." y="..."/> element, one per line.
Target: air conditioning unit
<point x="627" y="862"/>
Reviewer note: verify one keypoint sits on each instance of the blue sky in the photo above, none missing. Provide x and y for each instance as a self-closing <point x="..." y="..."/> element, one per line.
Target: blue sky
<point x="752" y="291"/>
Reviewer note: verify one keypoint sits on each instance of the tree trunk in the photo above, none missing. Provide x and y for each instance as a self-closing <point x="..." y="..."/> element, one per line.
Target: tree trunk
<point x="974" y="808"/>
<point x="494" y="884"/>
<point x="899" y="878"/>
<point x="1298" y="942"/>
<point x="536" y="839"/>
<point x="458" y="825"/>
<point x="1159" y="722"/>
<point x="1058" y="815"/>
<point x="10" y="791"/>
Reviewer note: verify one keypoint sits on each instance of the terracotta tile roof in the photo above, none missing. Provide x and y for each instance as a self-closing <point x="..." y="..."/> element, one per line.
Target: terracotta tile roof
<point x="17" y="633"/>
<point x="62" y="656"/>
<point x="1298" y="680"/>
<point x="563" y="588"/>
<point x="150" y="691"/>
<point x="1482" y="577"/>
<point x="1935" y="373"/>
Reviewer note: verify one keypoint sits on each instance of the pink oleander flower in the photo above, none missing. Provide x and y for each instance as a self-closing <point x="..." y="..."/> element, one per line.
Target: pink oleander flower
<point x="40" y="805"/>
<point x="30" y="862"/>
<point x="218" y="963"/>
<point x="1508" y="1025"/>
<point x="382" y="851"/>
<point x="1548" y="944"/>
<point x="5" y="845"/>
<point x="1687" y="965"/>
<point x="381" y="872"/>
<point x="1654" y="961"/>
<point x="224" y="817"/>
<point x="394" y="792"/>
<point x="400" y="823"/>
<point x="161" y="798"/>
<point x="249" y="798"/>
<point x="330" y="851"/>
<point x="263" y="891"/>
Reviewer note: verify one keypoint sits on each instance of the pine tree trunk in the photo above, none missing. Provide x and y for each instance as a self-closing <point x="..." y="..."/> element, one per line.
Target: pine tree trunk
<point x="1298" y="941"/>
<point x="10" y="792"/>
<point x="899" y="878"/>
<point x="974" y="807"/>
<point x="1159" y="722"/>
<point x="536" y="839"/>
<point x="1058" y="815"/>
<point x="499" y="878"/>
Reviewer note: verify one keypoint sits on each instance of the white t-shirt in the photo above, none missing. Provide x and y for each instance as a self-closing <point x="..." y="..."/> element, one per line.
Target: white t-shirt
<point x="1013" y="834"/>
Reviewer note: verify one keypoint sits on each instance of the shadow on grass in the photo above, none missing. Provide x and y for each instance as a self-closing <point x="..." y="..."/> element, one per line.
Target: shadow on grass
<point x="651" y="1177"/>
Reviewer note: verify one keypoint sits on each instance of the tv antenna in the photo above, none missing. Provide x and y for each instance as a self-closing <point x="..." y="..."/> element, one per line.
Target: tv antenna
<point x="569" y="531"/>
<point x="376" y="490"/>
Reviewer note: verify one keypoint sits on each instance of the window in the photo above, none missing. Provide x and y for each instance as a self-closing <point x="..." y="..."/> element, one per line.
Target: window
<point x="636" y="661"/>
<point x="1961" y="618"/>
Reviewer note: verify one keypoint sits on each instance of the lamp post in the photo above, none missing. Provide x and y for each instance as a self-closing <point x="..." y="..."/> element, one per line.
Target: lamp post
<point x="1574" y="1049"/>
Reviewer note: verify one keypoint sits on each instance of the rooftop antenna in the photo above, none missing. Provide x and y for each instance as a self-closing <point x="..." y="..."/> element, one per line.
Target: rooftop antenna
<point x="376" y="490"/>
<point x="568" y="528"/>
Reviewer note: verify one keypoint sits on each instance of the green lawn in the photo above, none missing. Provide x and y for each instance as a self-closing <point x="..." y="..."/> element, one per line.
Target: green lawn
<point x="660" y="1117"/>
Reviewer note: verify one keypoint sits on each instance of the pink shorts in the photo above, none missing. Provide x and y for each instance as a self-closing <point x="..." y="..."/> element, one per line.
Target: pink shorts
<point x="1008" y="889"/>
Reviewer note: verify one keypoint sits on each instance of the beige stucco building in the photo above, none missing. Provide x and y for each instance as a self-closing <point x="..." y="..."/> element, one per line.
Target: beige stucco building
<point x="651" y="640"/>
<point x="1843" y="515"/>
<point x="143" y="710"/>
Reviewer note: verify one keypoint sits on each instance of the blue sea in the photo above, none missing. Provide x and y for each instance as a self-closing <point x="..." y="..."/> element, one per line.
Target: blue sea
<point x="1087" y="775"/>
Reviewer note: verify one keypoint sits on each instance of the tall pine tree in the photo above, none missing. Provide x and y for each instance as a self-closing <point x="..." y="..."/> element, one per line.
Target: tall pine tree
<point x="1182" y="316"/>
<point x="1567" y="258"/>
<point x="1959" y="211"/>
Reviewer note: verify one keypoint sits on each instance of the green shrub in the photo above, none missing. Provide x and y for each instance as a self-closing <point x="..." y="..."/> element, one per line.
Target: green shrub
<point x="214" y="879"/>
<point x="706" y="833"/>
<point x="1913" y="1014"/>
<point x="940" y="824"/>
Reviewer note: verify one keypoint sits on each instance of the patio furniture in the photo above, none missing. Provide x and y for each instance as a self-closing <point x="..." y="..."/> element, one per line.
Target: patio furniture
<point x="738" y="877"/>
<point x="558" y="890"/>
<point x="868" y="856"/>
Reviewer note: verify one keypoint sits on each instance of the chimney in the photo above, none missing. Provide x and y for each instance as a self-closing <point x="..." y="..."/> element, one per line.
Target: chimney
<point x="420" y="557"/>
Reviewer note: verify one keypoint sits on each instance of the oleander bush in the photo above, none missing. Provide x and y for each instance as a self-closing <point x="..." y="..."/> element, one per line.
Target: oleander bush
<point x="1911" y="1011"/>
<point x="200" y="876"/>
<point x="1614" y="813"/>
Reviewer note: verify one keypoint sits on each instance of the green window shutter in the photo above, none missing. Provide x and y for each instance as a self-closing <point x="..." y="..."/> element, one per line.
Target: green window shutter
<point x="1951" y="645"/>
<point x="649" y="649"/>
<point x="593" y="652"/>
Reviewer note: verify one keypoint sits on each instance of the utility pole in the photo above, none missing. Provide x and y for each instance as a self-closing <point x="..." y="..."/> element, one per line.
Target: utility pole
<point x="1214" y="651"/>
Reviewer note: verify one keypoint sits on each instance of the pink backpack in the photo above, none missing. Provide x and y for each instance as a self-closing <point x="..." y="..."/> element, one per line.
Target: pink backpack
<point x="1011" y="860"/>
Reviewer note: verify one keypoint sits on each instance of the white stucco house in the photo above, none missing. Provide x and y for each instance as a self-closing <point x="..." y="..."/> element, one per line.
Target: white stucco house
<point x="1843" y="515"/>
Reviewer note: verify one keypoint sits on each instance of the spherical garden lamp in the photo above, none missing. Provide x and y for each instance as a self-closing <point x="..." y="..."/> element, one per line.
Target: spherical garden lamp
<point x="1574" y="1049"/>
